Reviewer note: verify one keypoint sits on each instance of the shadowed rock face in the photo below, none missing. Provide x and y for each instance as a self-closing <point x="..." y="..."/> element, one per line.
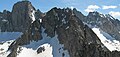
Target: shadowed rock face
<point x="77" y="38"/>
<point x="20" y="18"/>
<point x="5" y="21"/>
<point x="21" y="15"/>
<point x="107" y="23"/>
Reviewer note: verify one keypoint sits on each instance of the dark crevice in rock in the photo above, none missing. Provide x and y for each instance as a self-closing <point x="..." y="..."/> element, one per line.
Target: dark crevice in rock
<point x="40" y="50"/>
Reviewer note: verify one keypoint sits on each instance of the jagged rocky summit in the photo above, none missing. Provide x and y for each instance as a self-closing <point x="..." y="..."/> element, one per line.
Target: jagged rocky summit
<point x="68" y="32"/>
<point x="106" y="22"/>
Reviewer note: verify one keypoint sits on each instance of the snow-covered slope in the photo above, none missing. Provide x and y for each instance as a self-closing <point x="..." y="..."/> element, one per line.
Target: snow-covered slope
<point x="33" y="53"/>
<point x="6" y="38"/>
<point x="51" y="46"/>
<point x="107" y="40"/>
<point x="105" y="26"/>
<point x="4" y="47"/>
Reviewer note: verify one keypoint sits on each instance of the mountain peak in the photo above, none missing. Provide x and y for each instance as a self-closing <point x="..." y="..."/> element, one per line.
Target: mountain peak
<point x="22" y="15"/>
<point x="95" y="13"/>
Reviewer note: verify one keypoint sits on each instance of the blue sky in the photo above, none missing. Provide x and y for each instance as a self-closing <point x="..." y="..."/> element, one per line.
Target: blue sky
<point x="103" y="6"/>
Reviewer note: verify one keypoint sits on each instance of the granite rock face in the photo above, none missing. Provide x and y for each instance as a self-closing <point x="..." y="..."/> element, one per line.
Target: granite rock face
<point x="21" y="15"/>
<point x="78" y="38"/>
<point x="32" y="34"/>
<point x="107" y="23"/>
<point x="5" y="21"/>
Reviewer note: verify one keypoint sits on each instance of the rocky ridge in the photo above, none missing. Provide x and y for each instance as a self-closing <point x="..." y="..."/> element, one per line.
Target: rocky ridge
<point x="20" y="18"/>
<point x="106" y="22"/>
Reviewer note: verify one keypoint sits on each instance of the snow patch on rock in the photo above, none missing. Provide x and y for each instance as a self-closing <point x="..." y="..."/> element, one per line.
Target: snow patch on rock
<point x="33" y="16"/>
<point x="107" y="40"/>
<point x="52" y="47"/>
<point x="29" y="52"/>
<point x="4" y="47"/>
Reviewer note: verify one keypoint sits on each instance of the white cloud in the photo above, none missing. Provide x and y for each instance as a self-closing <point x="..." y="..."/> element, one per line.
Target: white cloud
<point x="72" y="7"/>
<point x="92" y="8"/>
<point x="109" y="7"/>
<point x="115" y="14"/>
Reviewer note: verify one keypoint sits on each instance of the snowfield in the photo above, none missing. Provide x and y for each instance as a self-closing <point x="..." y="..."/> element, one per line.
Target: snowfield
<point x="107" y="40"/>
<point x="51" y="45"/>
<point x="6" y="38"/>
<point x="4" y="47"/>
<point x="52" y="48"/>
<point x="29" y="52"/>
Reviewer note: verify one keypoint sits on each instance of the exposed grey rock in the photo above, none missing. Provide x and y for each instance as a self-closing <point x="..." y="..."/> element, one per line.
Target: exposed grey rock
<point x="78" y="39"/>
<point x="5" y="21"/>
<point x="40" y="50"/>
<point x="19" y="19"/>
<point x="107" y="23"/>
<point x="38" y="14"/>
<point x="32" y="34"/>
<point x="21" y="15"/>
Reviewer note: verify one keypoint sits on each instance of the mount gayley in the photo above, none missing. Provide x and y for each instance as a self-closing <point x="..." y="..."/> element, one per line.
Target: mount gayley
<point x="57" y="33"/>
